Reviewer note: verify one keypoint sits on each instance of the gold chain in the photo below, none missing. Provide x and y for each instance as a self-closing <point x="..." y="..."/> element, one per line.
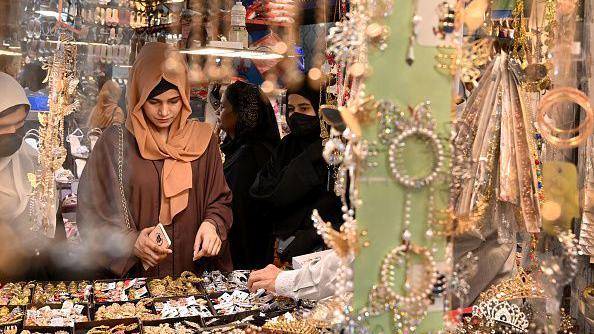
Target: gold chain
<point x="121" y="175"/>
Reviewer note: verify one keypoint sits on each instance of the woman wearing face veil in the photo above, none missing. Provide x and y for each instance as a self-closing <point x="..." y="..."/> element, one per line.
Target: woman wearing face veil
<point x="297" y="180"/>
<point x="172" y="174"/>
<point x="252" y="134"/>
<point x="18" y="243"/>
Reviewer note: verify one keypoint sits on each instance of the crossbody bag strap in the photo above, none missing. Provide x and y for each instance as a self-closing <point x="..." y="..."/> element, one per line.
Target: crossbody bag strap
<point x="125" y="210"/>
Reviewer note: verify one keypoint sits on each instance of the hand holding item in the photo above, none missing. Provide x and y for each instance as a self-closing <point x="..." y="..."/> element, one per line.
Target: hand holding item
<point x="207" y="241"/>
<point x="264" y="278"/>
<point x="148" y="251"/>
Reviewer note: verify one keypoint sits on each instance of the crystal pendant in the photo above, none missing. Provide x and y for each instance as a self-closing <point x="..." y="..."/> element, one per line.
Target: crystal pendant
<point x="406" y="235"/>
<point x="410" y="54"/>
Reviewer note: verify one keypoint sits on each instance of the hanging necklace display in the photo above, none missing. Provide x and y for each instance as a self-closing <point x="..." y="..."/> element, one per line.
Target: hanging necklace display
<point x="423" y="128"/>
<point x="395" y="131"/>
<point x="62" y="78"/>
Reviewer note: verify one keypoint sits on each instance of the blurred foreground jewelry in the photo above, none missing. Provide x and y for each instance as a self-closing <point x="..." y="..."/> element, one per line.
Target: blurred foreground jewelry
<point x="521" y="286"/>
<point x="560" y="270"/>
<point x="291" y="327"/>
<point x="548" y="131"/>
<point x="467" y="60"/>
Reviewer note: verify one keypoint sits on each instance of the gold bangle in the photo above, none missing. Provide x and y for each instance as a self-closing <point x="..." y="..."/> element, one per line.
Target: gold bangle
<point x="549" y="132"/>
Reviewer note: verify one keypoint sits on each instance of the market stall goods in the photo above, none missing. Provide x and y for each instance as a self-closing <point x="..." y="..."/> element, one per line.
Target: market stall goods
<point x="185" y="327"/>
<point x="119" y="291"/>
<point x="15" y="293"/>
<point x="183" y="307"/>
<point x="11" y="315"/>
<point x="48" y="316"/>
<point x="216" y="281"/>
<point x="187" y="284"/>
<point x="139" y="310"/>
<point x="59" y="292"/>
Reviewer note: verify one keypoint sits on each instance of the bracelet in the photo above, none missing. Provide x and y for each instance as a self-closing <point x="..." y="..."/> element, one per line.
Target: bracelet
<point x="548" y="131"/>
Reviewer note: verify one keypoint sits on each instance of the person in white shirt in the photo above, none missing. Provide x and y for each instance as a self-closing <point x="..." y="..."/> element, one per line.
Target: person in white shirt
<point x="315" y="280"/>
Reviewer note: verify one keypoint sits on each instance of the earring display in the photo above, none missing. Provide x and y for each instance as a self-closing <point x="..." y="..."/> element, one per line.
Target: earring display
<point x="183" y="307"/>
<point x="187" y="284"/>
<point x="16" y="293"/>
<point x="188" y="327"/>
<point x="140" y="310"/>
<point x="121" y="328"/>
<point x="119" y="291"/>
<point x="65" y="316"/>
<point x="59" y="292"/>
<point x="216" y="281"/>
<point x="11" y="316"/>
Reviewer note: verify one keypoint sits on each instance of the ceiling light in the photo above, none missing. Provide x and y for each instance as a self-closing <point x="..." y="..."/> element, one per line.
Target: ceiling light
<point x="208" y="51"/>
<point x="48" y="13"/>
<point x="10" y="53"/>
<point x="233" y="53"/>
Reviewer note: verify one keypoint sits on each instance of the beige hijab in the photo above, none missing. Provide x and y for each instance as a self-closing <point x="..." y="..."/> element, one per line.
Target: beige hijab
<point x="14" y="183"/>
<point x="187" y="140"/>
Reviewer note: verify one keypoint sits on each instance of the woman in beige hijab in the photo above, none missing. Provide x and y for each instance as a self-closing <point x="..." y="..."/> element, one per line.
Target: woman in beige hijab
<point x="17" y="160"/>
<point x="107" y="111"/>
<point x="171" y="174"/>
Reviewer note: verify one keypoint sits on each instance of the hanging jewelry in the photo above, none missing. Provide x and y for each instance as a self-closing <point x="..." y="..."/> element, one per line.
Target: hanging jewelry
<point x="396" y="129"/>
<point x="410" y="308"/>
<point x="62" y="78"/>
<point x="412" y="39"/>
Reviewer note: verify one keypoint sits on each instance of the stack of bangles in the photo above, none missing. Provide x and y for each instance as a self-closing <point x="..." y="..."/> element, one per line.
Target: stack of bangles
<point x="550" y="133"/>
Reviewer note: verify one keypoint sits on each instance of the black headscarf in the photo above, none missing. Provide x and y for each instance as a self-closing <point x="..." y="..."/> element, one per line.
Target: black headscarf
<point x="313" y="95"/>
<point x="161" y="88"/>
<point x="255" y="115"/>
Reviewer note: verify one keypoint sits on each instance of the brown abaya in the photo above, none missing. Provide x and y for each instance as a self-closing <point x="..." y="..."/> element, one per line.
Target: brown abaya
<point x="101" y="220"/>
<point x="178" y="182"/>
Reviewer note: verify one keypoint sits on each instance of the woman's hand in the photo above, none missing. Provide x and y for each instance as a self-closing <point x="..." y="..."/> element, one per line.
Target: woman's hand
<point x="207" y="241"/>
<point x="264" y="279"/>
<point x="147" y="250"/>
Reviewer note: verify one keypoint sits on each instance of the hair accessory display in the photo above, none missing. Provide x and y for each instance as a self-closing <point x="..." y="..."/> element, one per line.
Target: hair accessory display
<point x="15" y="293"/>
<point x="216" y="281"/>
<point x="187" y="284"/>
<point x="118" y="329"/>
<point x="185" y="327"/>
<point x="11" y="316"/>
<point x="66" y="316"/>
<point x="120" y="291"/>
<point x="183" y="307"/>
<point x="127" y="310"/>
<point x="59" y="292"/>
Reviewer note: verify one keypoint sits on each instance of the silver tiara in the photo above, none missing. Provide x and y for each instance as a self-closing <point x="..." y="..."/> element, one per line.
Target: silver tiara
<point x="496" y="312"/>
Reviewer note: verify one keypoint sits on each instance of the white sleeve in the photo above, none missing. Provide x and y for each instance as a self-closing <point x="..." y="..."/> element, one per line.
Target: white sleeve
<point x="315" y="280"/>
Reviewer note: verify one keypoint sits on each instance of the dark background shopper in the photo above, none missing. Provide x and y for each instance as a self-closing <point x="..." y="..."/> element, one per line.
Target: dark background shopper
<point x="252" y="135"/>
